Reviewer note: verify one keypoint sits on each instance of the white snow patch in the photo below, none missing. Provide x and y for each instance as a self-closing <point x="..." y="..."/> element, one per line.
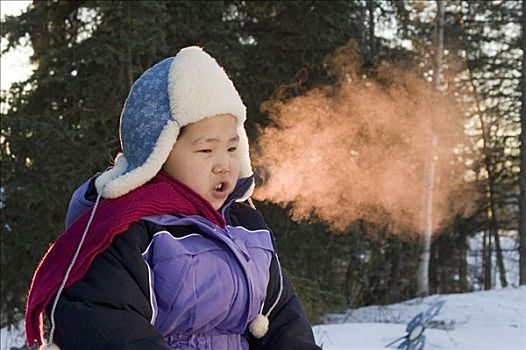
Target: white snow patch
<point x="493" y="319"/>
<point x="13" y="336"/>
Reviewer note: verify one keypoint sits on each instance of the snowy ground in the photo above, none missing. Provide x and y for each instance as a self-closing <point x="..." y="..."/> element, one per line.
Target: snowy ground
<point x="493" y="319"/>
<point x="12" y="338"/>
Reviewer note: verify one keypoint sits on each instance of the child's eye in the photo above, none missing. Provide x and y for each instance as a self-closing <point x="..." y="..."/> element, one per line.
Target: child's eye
<point x="232" y="149"/>
<point x="204" y="151"/>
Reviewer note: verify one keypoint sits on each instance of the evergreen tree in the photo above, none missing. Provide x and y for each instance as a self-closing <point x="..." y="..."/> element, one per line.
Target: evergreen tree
<point x="61" y="126"/>
<point x="522" y="199"/>
<point x="489" y="41"/>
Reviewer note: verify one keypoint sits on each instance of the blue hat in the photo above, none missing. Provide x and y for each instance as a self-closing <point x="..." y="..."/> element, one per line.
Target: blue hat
<point x="173" y="93"/>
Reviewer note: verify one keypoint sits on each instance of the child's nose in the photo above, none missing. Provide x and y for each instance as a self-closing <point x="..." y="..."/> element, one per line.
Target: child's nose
<point x="222" y="165"/>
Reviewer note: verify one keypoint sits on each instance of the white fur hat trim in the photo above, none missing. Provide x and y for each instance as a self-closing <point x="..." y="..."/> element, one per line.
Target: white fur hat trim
<point x="115" y="182"/>
<point x="199" y="88"/>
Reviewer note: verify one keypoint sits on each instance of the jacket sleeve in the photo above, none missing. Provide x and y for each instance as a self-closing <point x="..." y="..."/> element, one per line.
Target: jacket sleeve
<point x="288" y="325"/>
<point x="109" y="307"/>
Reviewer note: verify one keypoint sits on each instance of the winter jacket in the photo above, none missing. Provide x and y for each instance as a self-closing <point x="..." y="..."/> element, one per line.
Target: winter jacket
<point x="182" y="282"/>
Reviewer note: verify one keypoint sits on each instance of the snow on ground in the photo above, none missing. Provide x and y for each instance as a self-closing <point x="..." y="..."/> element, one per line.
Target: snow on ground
<point x="12" y="337"/>
<point x="493" y="319"/>
<point x="509" y="244"/>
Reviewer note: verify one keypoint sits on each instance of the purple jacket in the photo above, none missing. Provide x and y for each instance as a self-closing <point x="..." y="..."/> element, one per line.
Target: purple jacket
<point x="208" y="285"/>
<point x="174" y="282"/>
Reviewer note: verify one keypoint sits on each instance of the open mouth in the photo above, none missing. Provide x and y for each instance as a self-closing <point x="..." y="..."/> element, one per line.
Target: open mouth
<point x="221" y="189"/>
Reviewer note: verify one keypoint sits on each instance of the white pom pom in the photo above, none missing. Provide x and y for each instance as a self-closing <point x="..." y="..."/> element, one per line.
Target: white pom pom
<point x="259" y="326"/>
<point x="51" y="346"/>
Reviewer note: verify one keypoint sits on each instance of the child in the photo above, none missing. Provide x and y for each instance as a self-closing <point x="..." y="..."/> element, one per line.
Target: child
<point x="171" y="257"/>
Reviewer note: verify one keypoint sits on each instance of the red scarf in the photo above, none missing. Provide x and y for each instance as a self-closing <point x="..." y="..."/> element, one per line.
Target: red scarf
<point x="162" y="195"/>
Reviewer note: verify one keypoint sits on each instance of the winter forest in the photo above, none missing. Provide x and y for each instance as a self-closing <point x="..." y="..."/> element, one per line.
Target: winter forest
<point x="385" y="135"/>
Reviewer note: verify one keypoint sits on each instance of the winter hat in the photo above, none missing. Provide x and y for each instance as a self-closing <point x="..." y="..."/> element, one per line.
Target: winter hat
<point x="173" y="93"/>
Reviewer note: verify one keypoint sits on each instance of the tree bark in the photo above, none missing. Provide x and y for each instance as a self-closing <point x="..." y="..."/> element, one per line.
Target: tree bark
<point x="522" y="176"/>
<point x="425" y="254"/>
<point x="439" y="45"/>
<point x="490" y="195"/>
<point x="500" y="259"/>
<point x="372" y="45"/>
<point x="486" y="259"/>
<point x="463" y="266"/>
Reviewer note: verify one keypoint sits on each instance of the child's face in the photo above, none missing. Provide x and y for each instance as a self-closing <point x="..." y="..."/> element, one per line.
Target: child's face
<point x="205" y="158"/>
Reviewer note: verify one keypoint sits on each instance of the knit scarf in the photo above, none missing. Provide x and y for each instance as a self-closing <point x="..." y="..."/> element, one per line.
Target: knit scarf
<point x="162" y="195"/>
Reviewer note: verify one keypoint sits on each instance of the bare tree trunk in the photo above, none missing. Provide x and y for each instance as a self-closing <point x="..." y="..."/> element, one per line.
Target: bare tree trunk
<point x="372" y="45"/>
<point x="396" y="278"/>
<point x="425" y="253"/>
<point x="462" y="267"/>
<point x="490" y="195"/>
<point x="500" y="259"/>
<point x="522" y="176"/>
<point x="439" y="45"/>
<point x="486" y="259"/>
<point x="492" y="212"/>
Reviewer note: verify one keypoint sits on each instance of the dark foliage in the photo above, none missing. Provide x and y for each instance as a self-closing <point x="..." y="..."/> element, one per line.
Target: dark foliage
<point x="61" y="125"/>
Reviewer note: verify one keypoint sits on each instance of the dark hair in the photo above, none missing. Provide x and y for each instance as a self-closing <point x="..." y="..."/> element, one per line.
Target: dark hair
<point x="181" y="131"/>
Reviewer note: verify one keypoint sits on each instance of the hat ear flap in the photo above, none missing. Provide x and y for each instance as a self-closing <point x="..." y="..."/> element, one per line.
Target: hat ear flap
<point x="119" y="168"/>
<point x="245" y="166"/>
<point x="118" y="182"/>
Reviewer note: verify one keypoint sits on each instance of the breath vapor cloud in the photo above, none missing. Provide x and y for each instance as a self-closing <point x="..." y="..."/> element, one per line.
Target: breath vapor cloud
<point x="360" y="150"/>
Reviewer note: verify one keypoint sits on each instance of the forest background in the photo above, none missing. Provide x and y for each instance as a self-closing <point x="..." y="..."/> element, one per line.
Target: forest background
<point x="344" y="101"/>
